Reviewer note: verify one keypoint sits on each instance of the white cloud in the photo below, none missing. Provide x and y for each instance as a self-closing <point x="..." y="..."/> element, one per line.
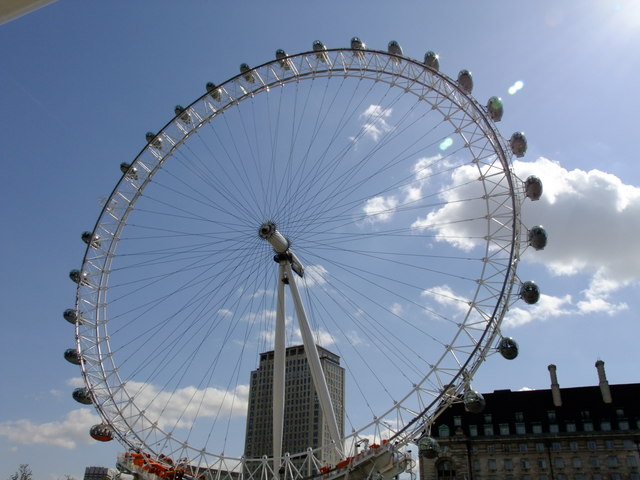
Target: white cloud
<point x="73" y="429"/>
<point x="181" y="407"/>
<point x="380" y="208"/>
<point x="314" y="275"/>
<point x="547" y="307"/>
<point x="375" y="124"/>
<point x="223" y="312"/>
<point x="446" y="297"/>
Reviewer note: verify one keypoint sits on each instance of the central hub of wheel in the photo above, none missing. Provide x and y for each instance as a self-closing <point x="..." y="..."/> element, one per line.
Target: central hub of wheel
<point x="280" y="245"/>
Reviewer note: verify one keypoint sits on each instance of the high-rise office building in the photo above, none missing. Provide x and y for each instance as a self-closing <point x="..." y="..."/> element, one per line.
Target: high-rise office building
<point x="304" y="424"/>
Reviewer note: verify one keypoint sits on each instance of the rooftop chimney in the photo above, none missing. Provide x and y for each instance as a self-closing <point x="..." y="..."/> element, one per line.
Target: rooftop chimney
<point x="604" y="385"/>
<point x="555" y="388"/>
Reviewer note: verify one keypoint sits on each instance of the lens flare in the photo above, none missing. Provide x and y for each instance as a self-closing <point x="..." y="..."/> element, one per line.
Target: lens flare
<point x="513" y="89"/>
<point x="446" y="143"/>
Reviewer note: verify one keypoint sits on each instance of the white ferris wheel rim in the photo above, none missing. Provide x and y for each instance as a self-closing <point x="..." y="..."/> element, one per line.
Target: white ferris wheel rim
<point x="469" y="345"/>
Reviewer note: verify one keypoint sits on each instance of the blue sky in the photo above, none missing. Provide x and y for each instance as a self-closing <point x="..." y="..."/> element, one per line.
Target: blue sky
<point x="80" y="85"/>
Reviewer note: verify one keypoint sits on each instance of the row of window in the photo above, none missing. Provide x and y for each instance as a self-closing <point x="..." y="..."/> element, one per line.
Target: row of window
<point x="519" y="416"/>
<point x="556" y="446"/>
<point x="558" y="476"/>
<point x="558" y="462"/>
<point x="488" y="429"/>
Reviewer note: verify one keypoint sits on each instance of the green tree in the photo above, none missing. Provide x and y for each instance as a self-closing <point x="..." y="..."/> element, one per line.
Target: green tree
<point x="23" y="473"/>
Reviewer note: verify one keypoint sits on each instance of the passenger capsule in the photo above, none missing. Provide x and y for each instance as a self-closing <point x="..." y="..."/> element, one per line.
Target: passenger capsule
<point x="82" y="395"/>
<point x="473" y="401"/>
<point x="465" y="81"/>
<point x="518" y="144"/>
<point x="432" y="60"/>
<point x="182" y="114"/>
<point x="246" y="72"/>
<point x="129" y="171"/>
<point x="78" y="277"/>
<point x="508" y="348"/>
<point x="428" y="447"/>
<point x="320" y="50"/>
<point x="101" y="432"/>
<point x="538" y="237"/>
<point x="533" y="188"/>
<point x="70" y="315"/>
<point x="394" y="48"/>
<point x="154" y="140"/>
<point x="530" y="292"/>
<point x="357" y="44"/>
<point x="71" y="355"/>
<point x="90" y="239"/>
<point x="281" y="56"/>
<point x="213" y="91"/>
<point x="495" y="108"/>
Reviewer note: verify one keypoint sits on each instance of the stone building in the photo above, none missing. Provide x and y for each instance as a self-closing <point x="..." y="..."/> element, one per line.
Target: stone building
<point x="583" y="433"/>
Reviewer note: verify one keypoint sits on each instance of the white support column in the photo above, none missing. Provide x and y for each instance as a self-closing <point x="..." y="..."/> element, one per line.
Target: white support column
<point x="313" y="358"/>
<point x="278" y="375"/>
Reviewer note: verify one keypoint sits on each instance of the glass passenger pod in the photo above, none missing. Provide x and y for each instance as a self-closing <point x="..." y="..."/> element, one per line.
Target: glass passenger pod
<point x="432" y="60"/>
<point x="538" y="237"/>
<point x="495" y="108"/>
<point x="518" y="144"/>
<point x="79" y="277"/>
<point x="213" y="91"/>
<point x="281" y="56"/>
<point x="320" y="50"/>
<point x="428" y="447"/>
<point x="530" y="292"/>
<point x="70" y="315"/>
<point x="508" y="348"/>
<point x="101" y="432"/>
<point x="246" y="72"/>
<point x="394" y="48"/>
<point x="473" y="401"/>
<point x="182" y="114"/>
<point x="465" y="81"/>
<point x="533" y="188"/>
<point x="154" y="140"/>
<point x="90" y="239"/>
<point x="71" y="355"/>
<point x="82" y="395"/>
<point x="357" y="44"/>
<point x="129" y="171"/>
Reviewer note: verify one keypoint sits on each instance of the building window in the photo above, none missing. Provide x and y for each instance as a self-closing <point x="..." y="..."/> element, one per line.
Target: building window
<point x="443" y="431"/>
<point x="558" y="462"/>
<point x="519" y="417"/>
<point x="445" y="470"/>
<point x="525" y="463"/>
<point x="504" y="429"/>
<point x="536" y="427"/>
<point x="553" y="428"/>
<point x="612" y="461"/>
<point x="543" y="476"/>
<point x="616" y="476"/>
<point x="596" y="476"/>
<point x="457" y="421"/>
<point x="587" y="426"/>
<point x="623" y="425"/>
<point x="608" y="444"/>
<point x="551" y="415"/>
<point x="523" y="448"/>
<point x="542" y="462"/>
<point x="506" y="447"/>
<point x="508" y="464"/>
<point x="605" y="426"/>
<point x="526" y="476"/>
<point x="585" y="414"/>
<point x="491" y="464"/>
<point x="473" y="430"/>
<point x="561" y="476"/>
<point x="591" y="445"/>
<point x="488" y="429"/>
<point x="476" y="464"/>
<point x="632" y="461"/>
<point x="556" y="447"/>
<point x="487" y="418"/>
<point x="571" y="427"/>
<point x="628" y="444"/>
<point x="594" y="462"/>
<point x="539" y="447"/>
<point x="491" y="449"/>
<point x="579" y="476"/>
<point x="520" y="429"/>
<point x="576" y="462"/>
<point x="573" y="446"/>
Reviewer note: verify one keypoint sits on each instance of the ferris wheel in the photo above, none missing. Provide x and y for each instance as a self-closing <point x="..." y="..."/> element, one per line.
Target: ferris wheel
<point x="328" y="239"/>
